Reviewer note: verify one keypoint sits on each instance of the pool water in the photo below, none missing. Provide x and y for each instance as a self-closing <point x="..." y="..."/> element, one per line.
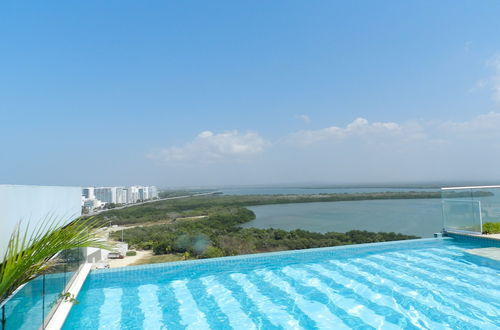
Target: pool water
<point x="418" y="284"/>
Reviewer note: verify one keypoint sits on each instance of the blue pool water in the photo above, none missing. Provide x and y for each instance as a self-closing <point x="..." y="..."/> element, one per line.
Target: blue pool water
<point x="420" y="284"/>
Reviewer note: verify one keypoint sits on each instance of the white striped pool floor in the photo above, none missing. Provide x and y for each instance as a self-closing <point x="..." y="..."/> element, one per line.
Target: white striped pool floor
<point x="426" y="288"/>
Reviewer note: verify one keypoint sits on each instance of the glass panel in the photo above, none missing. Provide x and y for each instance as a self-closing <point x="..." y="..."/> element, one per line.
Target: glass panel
<point x="32" y="305"/>
<point x="25" y="309"/>
<point x="489" y="199"/>
<point x="470" y="209"/>
<point x="461" y="211"/>
<point x="55" y="283"/>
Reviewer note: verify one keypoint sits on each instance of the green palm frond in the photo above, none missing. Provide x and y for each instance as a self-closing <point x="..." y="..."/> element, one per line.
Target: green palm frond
<point x="28" y="255"/>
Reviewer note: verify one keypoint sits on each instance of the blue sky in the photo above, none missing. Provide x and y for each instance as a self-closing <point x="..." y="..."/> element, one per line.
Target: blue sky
<point x="262" y="92"/>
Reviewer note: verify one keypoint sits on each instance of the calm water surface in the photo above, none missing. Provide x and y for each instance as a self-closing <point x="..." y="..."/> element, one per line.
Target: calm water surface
<point x="420" y="217"/>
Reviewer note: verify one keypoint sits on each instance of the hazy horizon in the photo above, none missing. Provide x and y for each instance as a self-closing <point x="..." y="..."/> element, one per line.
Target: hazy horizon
<point x="234" y="93"/>
<point x="347" y="185"/>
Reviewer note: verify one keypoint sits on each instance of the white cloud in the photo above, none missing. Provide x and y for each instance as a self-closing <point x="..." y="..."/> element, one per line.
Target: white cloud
<point x="359" y="128"/>
<point x="209" y="147"/>
<point x="361" y="131"/>
<point x="360" y="151"/>
<point x="305" y="118"/>
<point x="482" y="124"/>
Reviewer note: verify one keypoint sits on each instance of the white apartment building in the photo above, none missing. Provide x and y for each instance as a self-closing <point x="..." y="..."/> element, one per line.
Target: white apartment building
<point x="105" y="194"/>
<point x="88" y="193"/>
<point x="95" y="197"/>
<point x="133" y="194"/>
<point x="121" y="195"/>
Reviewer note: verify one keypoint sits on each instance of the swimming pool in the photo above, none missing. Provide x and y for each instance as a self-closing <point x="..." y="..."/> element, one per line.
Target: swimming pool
<point x="418" y="284"/>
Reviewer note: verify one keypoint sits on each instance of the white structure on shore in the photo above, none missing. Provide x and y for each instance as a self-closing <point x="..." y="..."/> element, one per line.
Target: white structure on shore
<point x="96" y="197"/>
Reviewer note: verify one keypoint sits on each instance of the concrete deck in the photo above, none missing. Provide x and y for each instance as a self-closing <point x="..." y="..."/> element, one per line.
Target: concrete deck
<point x="490" y="253"/>
<point x="495" y="236"/>
<point x="488" y="236"/>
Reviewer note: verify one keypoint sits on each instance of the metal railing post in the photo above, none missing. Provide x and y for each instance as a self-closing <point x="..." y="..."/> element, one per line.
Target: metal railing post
<point x="43" y="301"/>
<point x="480" y="219"/>
<point x="3" y="318"/>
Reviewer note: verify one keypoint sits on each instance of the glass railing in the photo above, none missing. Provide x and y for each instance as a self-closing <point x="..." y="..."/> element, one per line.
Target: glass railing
<point x="467" y="209"/>
<point x="32" y="305"/>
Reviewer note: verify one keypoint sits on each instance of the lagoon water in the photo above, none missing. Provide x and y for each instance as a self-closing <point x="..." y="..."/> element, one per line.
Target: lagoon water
<point x="420" y="217"/>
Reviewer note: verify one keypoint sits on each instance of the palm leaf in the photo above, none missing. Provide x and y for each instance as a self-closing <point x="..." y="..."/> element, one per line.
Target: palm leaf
<point x="28" y="255"/>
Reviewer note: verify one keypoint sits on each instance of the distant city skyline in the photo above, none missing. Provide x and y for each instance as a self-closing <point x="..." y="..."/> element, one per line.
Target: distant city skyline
<point x="97" y="197"/>
<point x="234" y="93"/>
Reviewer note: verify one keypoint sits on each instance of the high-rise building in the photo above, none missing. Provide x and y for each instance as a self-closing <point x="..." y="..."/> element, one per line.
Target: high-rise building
<point x="133" y="194"/>
<point x="147" y="193"/>
<point x="105" y="194"/>
<point x="88" y="192"/>
<point x="121" y="195"/>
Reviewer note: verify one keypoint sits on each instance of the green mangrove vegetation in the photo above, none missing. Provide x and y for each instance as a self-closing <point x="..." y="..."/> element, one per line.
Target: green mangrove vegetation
<point x="209" y="226"/>
<point x="170" y="210"/>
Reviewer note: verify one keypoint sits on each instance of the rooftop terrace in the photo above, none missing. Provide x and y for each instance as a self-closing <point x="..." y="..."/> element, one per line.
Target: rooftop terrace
<point x="441" y="283"/>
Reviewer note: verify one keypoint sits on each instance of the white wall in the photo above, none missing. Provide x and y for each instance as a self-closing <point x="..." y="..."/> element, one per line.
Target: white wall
<point x="33" y="204"/>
